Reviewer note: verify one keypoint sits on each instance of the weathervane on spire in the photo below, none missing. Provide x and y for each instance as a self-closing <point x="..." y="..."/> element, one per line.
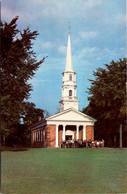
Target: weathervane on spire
<point x="69" y="25"/>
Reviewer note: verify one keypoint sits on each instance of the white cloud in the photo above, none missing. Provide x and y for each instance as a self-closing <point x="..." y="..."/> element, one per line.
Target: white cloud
<point x="62" y="49"/>
<point x="89" y="34"/>
<point x="88" y="50"/>
<point x="40" y="10"/>
<point x="114" y="21"/>
<point x="43" y="47"/>
<point x="47" y="45"/>
<point x="96" y="56"/>
<point x="92" y="3"/>
<point x="91" y="52"/>
<point x="36" y="82"/>
<point x="65" y="8"/>
<point x="121" y="19"/>
<point x="87" y="53"/>
<point x="7" y="13"/>
<point x="52" y="63"/>
<point x="53" y="9"/>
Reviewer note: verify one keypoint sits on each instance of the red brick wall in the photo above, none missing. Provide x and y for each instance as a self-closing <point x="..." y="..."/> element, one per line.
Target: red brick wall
<point x="39" y="141"/>
<point x="51" y="136"/>
<point x="75" y="135"/>
<point x="89" y="132"/>
<point x="80" y="134"/>
<point x="60" y="137"/>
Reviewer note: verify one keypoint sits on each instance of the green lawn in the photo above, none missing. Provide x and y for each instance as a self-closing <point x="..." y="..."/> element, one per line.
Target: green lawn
<point x="41" y="170"/>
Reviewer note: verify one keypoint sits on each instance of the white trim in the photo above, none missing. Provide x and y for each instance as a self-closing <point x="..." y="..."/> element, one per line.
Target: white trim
<point x="84" y="132"/>
<point x="62" y="122"/>
<point x="63" y="135"/>
<point x="71" y="109"/>
<point x="77" y="132"/>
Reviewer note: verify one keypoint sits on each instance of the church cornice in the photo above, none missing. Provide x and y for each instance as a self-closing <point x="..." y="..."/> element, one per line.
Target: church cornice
<point x="70" y="99"/>
<point x="74" y="110"/>
<point x="69" y="72"/>
<point x="68" y="81"/>
<point x="69" y="85"/>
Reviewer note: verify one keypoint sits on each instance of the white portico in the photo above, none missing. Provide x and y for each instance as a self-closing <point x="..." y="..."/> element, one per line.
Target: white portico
<point x="72" y="123"/>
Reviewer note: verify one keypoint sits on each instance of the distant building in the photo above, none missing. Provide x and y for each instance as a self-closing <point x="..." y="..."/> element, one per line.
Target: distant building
<point x="69" y="123"/>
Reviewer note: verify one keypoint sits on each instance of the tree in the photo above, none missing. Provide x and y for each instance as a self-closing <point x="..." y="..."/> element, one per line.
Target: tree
<point x="18" y="66"/>
<point x="22" y="134"/>
<point x="31" y="114"/>
<point x="107" y="101"/>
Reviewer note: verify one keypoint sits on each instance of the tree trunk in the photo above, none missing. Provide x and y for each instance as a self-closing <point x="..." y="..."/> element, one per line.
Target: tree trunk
<point x="121" y="136"/>
<point x="114" y="141"/>
<point x="4" y="139"/>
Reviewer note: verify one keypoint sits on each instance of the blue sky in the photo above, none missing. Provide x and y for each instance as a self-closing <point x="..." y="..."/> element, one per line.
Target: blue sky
<point x="98" y="35"/>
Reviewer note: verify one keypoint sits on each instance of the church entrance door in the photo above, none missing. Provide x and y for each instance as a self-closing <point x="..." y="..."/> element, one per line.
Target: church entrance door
<point x="69" y="134"/>
<point x="68" y="137"/>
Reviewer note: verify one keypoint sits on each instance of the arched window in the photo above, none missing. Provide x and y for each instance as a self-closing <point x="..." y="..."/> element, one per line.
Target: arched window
<point x="70" y="78"/>
<point x="70" y="92"/>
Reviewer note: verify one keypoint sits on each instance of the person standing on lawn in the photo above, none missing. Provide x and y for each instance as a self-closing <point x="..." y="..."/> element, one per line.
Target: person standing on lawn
<point x="86" y="143"/>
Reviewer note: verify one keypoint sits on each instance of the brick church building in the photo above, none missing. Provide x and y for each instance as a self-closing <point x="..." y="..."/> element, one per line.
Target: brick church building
<point x="69" y="123"/>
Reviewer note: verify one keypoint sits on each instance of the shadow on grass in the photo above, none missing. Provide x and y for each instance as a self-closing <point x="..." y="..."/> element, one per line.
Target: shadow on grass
<point x="14" y="149"/>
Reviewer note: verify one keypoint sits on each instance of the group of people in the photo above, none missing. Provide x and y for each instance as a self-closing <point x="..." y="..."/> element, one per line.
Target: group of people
<point x="82" y="144"/>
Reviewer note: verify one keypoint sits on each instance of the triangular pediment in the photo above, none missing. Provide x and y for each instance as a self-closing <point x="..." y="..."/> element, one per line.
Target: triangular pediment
<point x="70" y="115"/>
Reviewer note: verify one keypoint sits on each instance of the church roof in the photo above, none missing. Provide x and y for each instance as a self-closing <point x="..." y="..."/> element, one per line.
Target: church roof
<point x="71" y="114"/>
<point x="69" y="66"/>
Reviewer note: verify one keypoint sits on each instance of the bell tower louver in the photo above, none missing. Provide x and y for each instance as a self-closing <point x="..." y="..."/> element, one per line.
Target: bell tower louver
<point x="69" y="96"/>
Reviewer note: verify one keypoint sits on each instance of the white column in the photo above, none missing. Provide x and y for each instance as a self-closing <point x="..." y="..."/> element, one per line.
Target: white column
<point x="57" y="136"/>
<point x="77" y="132"/>
<point x="84" y="132"/>
<point x="63" y="132"/>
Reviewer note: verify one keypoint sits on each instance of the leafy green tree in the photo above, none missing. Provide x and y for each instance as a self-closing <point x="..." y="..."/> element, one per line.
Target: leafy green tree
<point x="22" y="134"/>
<point x="18" y="65"/>
<point x="31" y="114"/>
<point x="107" y="101"/>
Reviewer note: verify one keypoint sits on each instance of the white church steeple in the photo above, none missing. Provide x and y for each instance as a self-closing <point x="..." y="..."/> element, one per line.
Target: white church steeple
<point x="69" y="96"/>
<point x="69" y="56"/>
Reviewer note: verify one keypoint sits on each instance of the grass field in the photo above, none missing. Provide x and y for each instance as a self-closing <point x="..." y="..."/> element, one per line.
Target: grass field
<point x="37" y="171"/>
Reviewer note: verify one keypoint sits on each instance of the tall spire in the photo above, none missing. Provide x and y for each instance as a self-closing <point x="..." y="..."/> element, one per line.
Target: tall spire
<point x="69" y="96"/>
<point x="69" y="66"/>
